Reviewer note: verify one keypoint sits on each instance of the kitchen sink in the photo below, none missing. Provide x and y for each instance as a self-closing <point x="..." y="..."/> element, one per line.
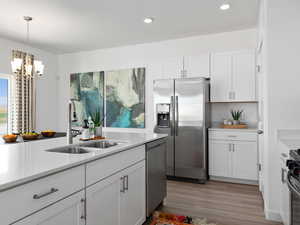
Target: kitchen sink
<point x="100" y="144"/>
<point x="69" y="150"/>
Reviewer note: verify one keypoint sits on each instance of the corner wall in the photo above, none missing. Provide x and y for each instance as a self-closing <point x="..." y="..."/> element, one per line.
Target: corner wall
<point x="282" y="87"/>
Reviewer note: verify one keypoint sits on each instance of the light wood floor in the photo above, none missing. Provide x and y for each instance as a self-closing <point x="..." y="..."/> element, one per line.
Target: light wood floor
<point x="221" y="203"/>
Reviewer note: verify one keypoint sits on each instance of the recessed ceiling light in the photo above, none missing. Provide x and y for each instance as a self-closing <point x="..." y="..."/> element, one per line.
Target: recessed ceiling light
<point x="148" y="20"/>
<point x="225" y="6"/>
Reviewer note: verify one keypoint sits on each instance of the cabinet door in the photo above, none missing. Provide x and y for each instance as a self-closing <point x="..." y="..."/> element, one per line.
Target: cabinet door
<point x="69" y="211"/>
<point x="133" y="199"/>
<point x="243" y="76"/>
<point x="197" y="66"/>
<point x="103" y="202"/>
<point x="244" y="160"/>
<point x="172" y="68"/>
<point x="219" y="158"/>
<point x="221" y="73"/>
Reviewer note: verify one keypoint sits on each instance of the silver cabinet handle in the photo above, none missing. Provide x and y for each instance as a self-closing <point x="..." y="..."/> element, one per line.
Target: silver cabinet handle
<point x="123" y="184"/>
<point x="232" y="136"/>
<point x="230" y="147"/>
<point x="283" y="175"/>
<point x="38" y="196"/>
<point x="83" y="202"/>
<point x="126" y="183"/>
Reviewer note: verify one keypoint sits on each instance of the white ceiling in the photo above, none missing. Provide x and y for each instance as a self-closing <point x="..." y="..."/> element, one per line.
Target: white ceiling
<point x="63" y="26"/>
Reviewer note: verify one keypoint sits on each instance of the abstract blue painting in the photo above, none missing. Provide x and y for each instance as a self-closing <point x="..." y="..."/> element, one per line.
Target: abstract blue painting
<point x="125" y="98"/>
<point x="118" y="96"/>
<point x="88" y="90"/>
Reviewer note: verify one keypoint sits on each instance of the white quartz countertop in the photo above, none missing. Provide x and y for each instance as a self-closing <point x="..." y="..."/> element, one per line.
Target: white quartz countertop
<point x="24" y="162"/>
<point x="290" y="138"/>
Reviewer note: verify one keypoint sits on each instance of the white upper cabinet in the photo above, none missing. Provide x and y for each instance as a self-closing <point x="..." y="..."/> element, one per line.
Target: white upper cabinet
<point x="221" y="76"/>
<point x="233" y="77"/>
<point x="187" y="66"/>
<point x="243" y="76"/>
<point x="172" y="68"/>
<point x="197" y="66"/>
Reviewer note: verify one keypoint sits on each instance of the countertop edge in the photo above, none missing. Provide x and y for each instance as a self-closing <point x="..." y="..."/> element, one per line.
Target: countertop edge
<point x="22" y="181"/>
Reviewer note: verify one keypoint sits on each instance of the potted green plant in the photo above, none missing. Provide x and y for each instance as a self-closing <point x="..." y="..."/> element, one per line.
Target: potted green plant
<point x="97" y="124"/>
<point x="236" y="116"/>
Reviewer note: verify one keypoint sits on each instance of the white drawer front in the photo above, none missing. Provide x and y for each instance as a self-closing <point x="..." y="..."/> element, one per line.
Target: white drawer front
<point x="23" y="200"/>
<point x="233" y="135"/>
<point x="104" y="167"/>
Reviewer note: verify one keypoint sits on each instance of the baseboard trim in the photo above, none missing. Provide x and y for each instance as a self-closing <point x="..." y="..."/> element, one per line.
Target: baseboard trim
<point x="233" y="180"/>
<point x="273" y="215"/>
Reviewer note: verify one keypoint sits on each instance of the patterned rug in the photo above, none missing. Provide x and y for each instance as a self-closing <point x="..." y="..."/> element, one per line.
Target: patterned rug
<point x="161" y="218"/>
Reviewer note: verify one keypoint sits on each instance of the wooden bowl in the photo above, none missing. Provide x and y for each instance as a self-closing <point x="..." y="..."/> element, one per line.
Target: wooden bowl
<point x="10" y="138"/>
<point x="48" y="133"/>
<point x="30" y="137"/>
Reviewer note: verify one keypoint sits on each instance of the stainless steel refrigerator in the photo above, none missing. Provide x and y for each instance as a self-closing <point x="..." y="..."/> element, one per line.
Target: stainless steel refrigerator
<point x="182" y="110"/>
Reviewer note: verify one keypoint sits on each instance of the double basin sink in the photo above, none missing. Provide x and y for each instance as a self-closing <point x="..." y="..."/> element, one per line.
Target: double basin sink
<point x="83" y="147"/>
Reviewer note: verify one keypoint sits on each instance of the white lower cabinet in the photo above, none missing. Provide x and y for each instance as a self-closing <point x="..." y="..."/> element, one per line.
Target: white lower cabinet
<point x="244" y="160"/>
<point x="69" y="211"/>
<point x="103" y="202"/>
<point x="118" y="199"/>
<point x="219" y="158"/>
<point x="233" y="156"/>
<point x="133" y="198"/>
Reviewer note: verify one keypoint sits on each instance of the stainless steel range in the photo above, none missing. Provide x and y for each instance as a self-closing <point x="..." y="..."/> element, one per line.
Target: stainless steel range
<point x="182" y="111"/>
<point x="293" y="182"/>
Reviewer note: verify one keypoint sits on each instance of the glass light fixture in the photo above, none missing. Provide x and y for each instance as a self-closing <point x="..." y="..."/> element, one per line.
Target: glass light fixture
<point x="37" y="68"/>
<point x="16" y="65"/>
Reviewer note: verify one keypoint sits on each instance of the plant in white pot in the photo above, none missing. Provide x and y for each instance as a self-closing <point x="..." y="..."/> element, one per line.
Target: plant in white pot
<point x="236" y="116"/>
<point x="97" y="124"/>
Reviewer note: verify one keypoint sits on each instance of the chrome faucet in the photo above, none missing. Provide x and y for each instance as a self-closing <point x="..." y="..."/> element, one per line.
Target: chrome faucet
<point x="71" y="118"/>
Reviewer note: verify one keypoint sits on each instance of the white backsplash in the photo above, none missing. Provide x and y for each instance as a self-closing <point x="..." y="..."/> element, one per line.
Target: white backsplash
<point x="221" y="111"/>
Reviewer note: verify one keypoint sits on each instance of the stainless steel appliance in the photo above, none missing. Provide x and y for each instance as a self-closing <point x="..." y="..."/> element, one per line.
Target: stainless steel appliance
<point x="156" y="184"/>
<point x="189" y="119"/>
<point x="293" y="182"/>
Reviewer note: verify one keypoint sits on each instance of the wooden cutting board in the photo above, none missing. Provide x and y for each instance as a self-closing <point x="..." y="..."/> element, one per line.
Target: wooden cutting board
<point x="237" y="126"/>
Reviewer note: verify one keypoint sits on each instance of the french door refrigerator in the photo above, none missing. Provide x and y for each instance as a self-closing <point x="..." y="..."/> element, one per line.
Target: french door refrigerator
<point x="182" y="111"/>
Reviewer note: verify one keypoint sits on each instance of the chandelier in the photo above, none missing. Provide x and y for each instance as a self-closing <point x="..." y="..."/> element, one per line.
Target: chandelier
<point x="16" y="64"/>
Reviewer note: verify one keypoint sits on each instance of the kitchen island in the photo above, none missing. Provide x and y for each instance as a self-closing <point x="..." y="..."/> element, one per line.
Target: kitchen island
<point x="101" y="185"/>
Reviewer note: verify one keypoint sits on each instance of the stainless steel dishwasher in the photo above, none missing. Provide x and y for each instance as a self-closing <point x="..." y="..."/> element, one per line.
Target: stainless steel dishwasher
<point x="155" y="174"/>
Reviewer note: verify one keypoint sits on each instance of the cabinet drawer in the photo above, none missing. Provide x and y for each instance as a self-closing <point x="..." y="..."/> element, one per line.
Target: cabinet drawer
<point x="99" y="169"/>
<point x="233" y="135"/>
<point x="23" y="200"/>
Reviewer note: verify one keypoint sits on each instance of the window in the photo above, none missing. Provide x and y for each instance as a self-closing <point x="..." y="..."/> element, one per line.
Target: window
<point x="4" y="103"/>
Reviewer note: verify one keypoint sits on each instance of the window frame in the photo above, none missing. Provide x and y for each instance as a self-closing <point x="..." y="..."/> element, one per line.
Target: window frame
<point x="9" y="100"/>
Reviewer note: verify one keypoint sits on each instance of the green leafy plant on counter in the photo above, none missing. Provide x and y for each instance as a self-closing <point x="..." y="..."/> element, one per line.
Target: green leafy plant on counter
<point x="96" y="119"/>
<point x="236" y="114"/>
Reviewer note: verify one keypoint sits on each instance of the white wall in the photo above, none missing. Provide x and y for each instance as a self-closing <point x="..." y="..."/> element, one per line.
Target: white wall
<point x="282" y="108"/>
<point x="145" y="55"/>
<point x="46" y="85"/>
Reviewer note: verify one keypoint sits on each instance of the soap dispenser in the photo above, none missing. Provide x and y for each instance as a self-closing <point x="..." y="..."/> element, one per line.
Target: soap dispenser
<point x="85" y="130"/>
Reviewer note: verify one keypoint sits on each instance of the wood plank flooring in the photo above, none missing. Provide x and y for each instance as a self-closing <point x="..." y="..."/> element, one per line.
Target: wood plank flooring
<point x="221" y="203"/>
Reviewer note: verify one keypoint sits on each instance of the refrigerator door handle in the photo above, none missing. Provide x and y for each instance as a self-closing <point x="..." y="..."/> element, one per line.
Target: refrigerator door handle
<point x="177" y="116"/>
<point x="172" y="125"/>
